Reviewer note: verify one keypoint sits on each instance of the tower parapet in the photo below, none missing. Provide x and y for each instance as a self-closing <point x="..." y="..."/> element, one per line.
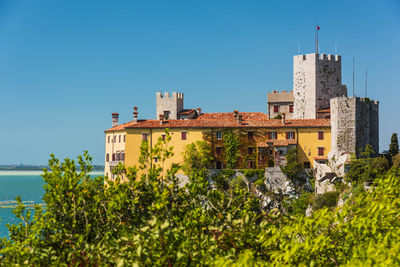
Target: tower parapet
<point x="316" y="79"/>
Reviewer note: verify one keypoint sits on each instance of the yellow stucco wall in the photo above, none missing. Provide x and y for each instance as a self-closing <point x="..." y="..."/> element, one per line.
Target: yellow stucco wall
<point x="309" y="143"/>
<point x="307" y="138"/>
<point x="134" y="140"/>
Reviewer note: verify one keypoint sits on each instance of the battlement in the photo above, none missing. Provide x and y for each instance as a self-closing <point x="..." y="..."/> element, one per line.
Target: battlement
<point x="320" y="57"/>
<point x="280" y="96"/>
<point x="168" y="95"/>
<point x="369" y="101"/>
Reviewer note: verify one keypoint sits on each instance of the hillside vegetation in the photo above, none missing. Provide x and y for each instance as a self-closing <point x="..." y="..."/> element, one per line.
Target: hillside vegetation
<point x="154" y="221"/>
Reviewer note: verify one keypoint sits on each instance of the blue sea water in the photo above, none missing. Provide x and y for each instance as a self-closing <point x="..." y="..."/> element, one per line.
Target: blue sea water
<point x="26" y="184"/>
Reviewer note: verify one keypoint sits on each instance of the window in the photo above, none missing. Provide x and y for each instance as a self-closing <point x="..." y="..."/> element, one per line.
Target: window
<point x="145" y="136"/>
<point x="272" y="135"/>
<point x="108" y="139"/>
<point x="163" y="137"/>
<point x="289" y="135"/>
<point x="115" y="138"/>
<point x="124" y="138"/>
<point x="218" y="150"/>
<point x="219" y="135"/>
<point x="290" y="108"/>
<point x="307" y="165"/>
<point x="250" y="150"/>
<point x="250" y="135"/>
<point x="123" y="156"/>
<point x="320" y="151"/>
<point x="276" y="109"/>
<point x="183" y="135"/>
<point x="118" y="156"/>
<point x="218" y="165"/>
<point x="166" y="115"/>
<point x="250" y="164"/>
<point x="320" y="135"/>
<point x="107" y="157"/>
<point x="113" y="157"/>
<point x="119" y="138"/>
<point x="155" y="159"/>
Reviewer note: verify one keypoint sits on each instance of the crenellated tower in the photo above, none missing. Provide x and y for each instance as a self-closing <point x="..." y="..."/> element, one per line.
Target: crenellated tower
<point x="317" y="78"/>
<point x="169" y="105"/>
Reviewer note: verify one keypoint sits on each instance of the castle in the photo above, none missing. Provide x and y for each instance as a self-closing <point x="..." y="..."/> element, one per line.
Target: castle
<point x="317" y="118"/>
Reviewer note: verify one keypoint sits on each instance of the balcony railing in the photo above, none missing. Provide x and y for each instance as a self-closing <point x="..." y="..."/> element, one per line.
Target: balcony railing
<point x="115" y="163"/>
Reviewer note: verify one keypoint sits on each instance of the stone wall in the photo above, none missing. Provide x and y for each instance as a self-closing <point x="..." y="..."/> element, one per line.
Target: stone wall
<point x="172" y="103"/>
<point x="354" y="124"/>
<point x="316" y="79"/>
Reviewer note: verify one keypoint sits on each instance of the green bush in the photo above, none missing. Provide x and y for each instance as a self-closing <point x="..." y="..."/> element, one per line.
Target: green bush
<point x="153" y="221"/>
<point x="327" y="200"/>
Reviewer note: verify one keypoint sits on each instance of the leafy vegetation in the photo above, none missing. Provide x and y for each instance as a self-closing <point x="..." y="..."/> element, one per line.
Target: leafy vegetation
<point x="231" y="145"/>
<point x="151" y="220"/>
<point x="394" y="145"/>
<point x="197" y="156"/>
<point x="366" y="167"/>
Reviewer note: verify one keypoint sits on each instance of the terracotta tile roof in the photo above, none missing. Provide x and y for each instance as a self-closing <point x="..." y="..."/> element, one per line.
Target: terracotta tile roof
<point x="186" y="111"/>
<point x="224" y="120"/>
<point x="284" y="142"/>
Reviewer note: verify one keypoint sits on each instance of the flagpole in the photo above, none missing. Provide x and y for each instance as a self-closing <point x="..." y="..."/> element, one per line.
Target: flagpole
<point x="317" y="39"/>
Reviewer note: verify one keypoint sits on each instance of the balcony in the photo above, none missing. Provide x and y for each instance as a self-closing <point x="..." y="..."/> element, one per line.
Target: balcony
<point x="115" y="163"/>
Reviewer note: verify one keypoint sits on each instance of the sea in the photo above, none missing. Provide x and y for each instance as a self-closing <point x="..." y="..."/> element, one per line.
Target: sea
<point x="26" y="184"/>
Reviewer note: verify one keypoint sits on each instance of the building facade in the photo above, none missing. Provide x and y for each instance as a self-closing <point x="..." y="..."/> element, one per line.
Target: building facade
<point x="317" y="118"/>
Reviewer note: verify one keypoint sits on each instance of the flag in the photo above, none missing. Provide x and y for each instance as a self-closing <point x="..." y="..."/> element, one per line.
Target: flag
<point x="318" y="28"/>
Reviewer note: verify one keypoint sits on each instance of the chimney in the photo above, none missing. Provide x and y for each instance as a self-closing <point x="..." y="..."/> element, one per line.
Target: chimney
<point x="114" y="119"/>
<point x="198" y="111"/>
<point x="283" y="118"/>
<point x="161" y="116"/>
<point x="240" y="119"/>
<point x="135" y="114"/>
<point x="235" y="114"/>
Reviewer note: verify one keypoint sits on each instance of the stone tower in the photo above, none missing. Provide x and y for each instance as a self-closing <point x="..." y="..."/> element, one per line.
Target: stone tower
<point x="354" y="124"/>
<point x="169" y="105"/>
<point x="316" y="79"/>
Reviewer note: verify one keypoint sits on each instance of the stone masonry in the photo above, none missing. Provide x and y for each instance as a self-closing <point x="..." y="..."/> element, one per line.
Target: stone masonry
<point x="354" y="124"/>
<point x="316" y="79"/>
<point x="283" y="100"/>
<point x="169" y="105"/>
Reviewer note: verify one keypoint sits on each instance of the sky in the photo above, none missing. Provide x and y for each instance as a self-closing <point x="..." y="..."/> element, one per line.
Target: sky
<point x="65" y="66"/>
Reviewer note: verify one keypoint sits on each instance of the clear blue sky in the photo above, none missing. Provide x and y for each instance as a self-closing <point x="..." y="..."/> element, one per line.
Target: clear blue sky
<point x="65" y="66"/>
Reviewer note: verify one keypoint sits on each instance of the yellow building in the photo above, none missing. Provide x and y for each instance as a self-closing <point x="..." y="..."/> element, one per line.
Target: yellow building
<point x="263" y="142"/>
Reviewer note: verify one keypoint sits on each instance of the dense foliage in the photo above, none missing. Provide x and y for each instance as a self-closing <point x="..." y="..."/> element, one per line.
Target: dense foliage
<point x="197" y="156"/>
<point x="394" y="145"/>
<point x="154" y="221"/>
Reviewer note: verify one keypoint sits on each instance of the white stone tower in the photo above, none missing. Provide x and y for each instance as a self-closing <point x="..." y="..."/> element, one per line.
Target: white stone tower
<point x="169" y="105"/>
<point x="316" y="79"/>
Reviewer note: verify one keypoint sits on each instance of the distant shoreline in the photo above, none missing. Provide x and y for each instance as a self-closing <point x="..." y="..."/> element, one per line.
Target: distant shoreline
<point x="36" y="172"/>
<point x="38" y="168"/>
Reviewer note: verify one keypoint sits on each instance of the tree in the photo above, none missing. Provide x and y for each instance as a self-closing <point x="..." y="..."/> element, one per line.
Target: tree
<point x="394" y="145"/>
<point x="197" y="156"/>
<point x="293" y="169"/>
